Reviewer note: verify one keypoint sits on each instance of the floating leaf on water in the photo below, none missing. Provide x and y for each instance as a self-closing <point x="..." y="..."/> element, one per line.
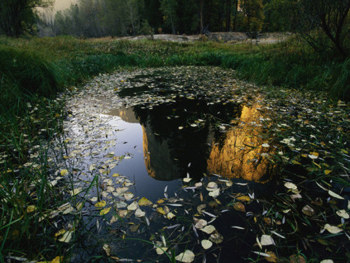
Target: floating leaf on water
<point x="290" y="186"/>
<point x="100" y="204"/>
<point x="105" y="211"/>
<point x="216" y="237"/>
<point x="107" y="249"/>
<point x="239" y="207"/>
<point x="76" y="191"/>
<point x="312" y="156"/>
<point x="170" y="215"/>
<point x="206" y="244"/>
<point x="123" y="213"/>
<point x="243" y="198"/>
<point x="200" y="208"/>
<point x="327" y="261"/>
<point x="144" y="202"/>
<point x="214" y="193"/>
<point x="121" y="204"/>
<point x="113" y="219"/>
<point x="308" y="210"/>
<point x="342" y="213"/>
<point x="115" y="175"/>
<point x="110" y="189"/>
<point x="160" y="210"/>
<point x="187" y="179"/>
<point x="187" y="256"/>
<point x="121" y="190"/>
<point x="64" y="172"/>
<point x="134" y="228"/>
<point x="212" y="186"/>
<point x="60" y="232"/>
<point x="128" y="196"/>
<point x="31" y="208"/>
<point x="331" y="193"/>
<point x="92" y="167"/>
<point x="208" y="229"/>
<point x="94" y="199"/>
<point x="332" y="229"/>
<point x="67" y="237"/>
<point x="133" y="206"/>
<point x="161" y="250"/>
<point x="266" y="240"/>
<point x="200" y="223"/>
<point x="139" y="213"/>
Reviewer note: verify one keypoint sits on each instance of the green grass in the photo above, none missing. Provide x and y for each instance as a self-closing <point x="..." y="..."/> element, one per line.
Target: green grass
<point x="33" y="71"/>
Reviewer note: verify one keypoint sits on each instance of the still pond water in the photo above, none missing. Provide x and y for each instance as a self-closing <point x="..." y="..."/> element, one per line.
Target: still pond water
<point x="153" y="151"/>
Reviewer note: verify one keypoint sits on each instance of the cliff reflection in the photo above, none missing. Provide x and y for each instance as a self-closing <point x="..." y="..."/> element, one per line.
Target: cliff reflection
<point x="171" y="153"/>
<point x="241" y="154"/>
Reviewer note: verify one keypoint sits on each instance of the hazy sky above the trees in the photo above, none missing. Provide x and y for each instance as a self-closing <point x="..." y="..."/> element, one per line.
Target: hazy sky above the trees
<point x="62" y="4"/>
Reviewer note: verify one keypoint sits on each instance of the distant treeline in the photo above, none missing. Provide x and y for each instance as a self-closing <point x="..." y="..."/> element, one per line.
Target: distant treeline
<point x="98" y="18"/>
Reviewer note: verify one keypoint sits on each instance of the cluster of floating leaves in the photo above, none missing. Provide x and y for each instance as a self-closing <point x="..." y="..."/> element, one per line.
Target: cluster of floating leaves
<point x="311" y="200"/>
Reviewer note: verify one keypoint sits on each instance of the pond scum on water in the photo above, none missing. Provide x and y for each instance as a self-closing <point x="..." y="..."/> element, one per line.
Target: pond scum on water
<point x="189" y="164"/>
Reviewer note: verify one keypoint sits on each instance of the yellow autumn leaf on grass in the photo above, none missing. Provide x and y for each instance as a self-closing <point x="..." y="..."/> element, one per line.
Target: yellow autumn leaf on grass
<point x="295" y="162"/>
<point x="60" y="232"/>
<point x="64" y="172"/>
<point x="57" y="259"/>
<point x="326" y="172"/>
<point x="105" y="211"/>
<point x="100" y="204"/>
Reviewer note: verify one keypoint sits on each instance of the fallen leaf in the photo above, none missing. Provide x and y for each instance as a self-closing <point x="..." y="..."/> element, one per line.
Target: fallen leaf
<point x="206" y="244"/>
<point x="133" y="206"/>
<point x="107" y="249"/>
<point x="144" y="202"/>
<point x="208" y="229"/>
<point x="342" y="213"/>
<point x="187" y="256"/>
<point x="216" y="237"/>
<point x="100" y="204"/>
<point x="331" y="193"/>
<point x="332" y="229"/>
<point x="243" y="198"/>
<point x="139" y="213"/>
<point x="308" y="210"/>
<point x="31" y="208"/>
<point x="105" y="211"/>
<point x="266" y="240"/>
<point x="272" y="257"/>
<point x="66" y="238"/>
<point x="239" y="207"/>
<point x="64" y="172"/>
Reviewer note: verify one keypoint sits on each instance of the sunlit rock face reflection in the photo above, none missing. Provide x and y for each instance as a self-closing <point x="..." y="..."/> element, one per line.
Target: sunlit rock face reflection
<point x="184" y="137"/>
<point x="241" y="154"/>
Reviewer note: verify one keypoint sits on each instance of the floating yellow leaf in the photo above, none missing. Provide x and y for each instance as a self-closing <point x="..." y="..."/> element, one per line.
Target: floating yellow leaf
<point x="60" y="232"/>
<point x="170" y="215"/>
<point x="216" y="237"/>
<point x="272" y="257"/>
<point x="107" y="249"/>
<point x="100" y="204"/>
<point x="332" y="229"/>
<point x="187" y="256"/>
<point x="133" y="206"/>
<point x="64" y="172"/>
<point x="326" y="172"/>
<point x="144" y="202"/>
<point x="139" y="213"/>
<point x="160" y="210"/>
<point x="115" y="175"/>
<point x="161" y="250"/>
<point x="331" y="193"/>
<point x="200" y="223"/>
<point x="57" y="259"/>
<point x="208" y="229"/>
<point x="295" y="162"/>
<point x="66" y="238"/>
<point x="308" y="210"/>
<point x="342" y="213"/>
<point x="160" y="201"/>
<point x="266" y="240"/>
<point x="206" y="244"/>
<point x="105" y="211"/>
<point x="244" y="198"/>
<point x="31" y="209"/>
<point x="239" y="207"/>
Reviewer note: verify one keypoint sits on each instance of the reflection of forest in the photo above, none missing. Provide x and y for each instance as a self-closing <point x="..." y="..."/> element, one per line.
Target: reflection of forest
<point x="239" y="156"/>
<point x="171" y="153"/>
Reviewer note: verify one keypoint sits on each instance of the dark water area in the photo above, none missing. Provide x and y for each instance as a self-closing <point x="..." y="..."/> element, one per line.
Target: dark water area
<point x="173" y="139"/>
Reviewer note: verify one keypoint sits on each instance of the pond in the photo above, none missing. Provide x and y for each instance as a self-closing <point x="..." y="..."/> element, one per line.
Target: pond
<point x="163" y="163"/>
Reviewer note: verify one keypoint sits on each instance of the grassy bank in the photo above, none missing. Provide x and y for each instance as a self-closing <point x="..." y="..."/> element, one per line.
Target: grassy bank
<point x="33" y="71"/>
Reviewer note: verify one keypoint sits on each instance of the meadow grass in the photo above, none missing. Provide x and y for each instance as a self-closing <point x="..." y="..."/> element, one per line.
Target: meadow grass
<point x="33" y="71"/>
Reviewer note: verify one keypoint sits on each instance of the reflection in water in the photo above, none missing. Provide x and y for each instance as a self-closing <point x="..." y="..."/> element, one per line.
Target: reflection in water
<point x="241" y="154"/>
<point x="186" y="137"/>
